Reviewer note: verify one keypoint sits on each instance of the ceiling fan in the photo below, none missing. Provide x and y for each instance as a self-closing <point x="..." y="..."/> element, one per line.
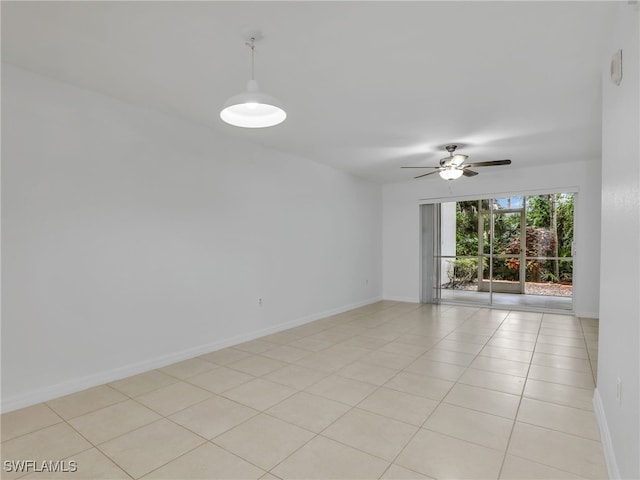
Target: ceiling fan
<point x="453" y="166"/>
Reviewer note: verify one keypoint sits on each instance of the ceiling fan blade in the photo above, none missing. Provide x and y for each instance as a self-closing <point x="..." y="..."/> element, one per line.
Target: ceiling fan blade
<point x="425" y="174"/>
<point x="469" y="173"/>
<point x="419" y="167"/>
<point x="489" y="164"/>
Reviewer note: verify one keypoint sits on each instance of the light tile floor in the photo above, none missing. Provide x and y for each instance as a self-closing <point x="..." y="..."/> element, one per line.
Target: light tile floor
<point x="391" y="390"/>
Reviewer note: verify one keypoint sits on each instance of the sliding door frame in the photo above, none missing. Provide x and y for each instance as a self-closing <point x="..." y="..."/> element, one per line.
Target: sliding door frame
<point x="430" y="274"/>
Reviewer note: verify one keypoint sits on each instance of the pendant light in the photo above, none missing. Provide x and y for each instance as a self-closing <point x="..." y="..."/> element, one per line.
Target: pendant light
<point x="253" y="108"/>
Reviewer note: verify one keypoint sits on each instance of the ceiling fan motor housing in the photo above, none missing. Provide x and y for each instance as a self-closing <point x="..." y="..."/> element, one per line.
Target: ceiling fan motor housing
<point x="446" y="161"/>
<point x="452" y="160"/>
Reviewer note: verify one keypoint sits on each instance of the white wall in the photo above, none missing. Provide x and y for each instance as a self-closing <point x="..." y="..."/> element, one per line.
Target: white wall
<point x="132" y="239"/>
<point x="619" y="344"/>
<point x="401" y="232"/>
<point x="447" y="238"/>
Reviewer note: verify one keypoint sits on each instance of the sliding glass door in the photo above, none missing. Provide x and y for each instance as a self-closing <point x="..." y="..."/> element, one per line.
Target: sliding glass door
<point x="512" y="251"/>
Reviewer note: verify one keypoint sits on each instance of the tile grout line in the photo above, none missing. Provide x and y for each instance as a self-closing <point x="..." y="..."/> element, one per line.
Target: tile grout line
<point x="162" y="416"/>
<point x="439" y="402"/>
<point x="390" y="320"/>
<point x="593" y="374"/>
<point x="93" y="445"/>
<point x="352" y="407"/>
<point x="319" y="434"/>
<point x="315" y="434"/>
<point x="515" y="418"/>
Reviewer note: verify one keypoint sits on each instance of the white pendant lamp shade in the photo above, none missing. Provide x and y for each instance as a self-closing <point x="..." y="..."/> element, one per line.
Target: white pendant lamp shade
<point x="253" y="109"/>
<point x="451" y="173"/>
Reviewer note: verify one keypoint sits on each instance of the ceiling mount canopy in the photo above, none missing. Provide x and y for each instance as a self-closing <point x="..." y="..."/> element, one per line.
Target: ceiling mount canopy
<point x="253" y="108"/>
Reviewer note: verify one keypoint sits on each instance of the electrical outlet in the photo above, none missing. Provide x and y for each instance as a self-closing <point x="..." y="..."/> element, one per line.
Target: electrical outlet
<point x="260" y="301"/>
<point x="619" y="391"/>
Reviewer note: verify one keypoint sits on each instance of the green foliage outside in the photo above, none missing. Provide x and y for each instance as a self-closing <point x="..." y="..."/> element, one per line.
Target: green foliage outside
<point x="548" y="233"/>
<point x="467" y="228"/>
<point x="565" y="225"/>
<point x="464" y="270"/>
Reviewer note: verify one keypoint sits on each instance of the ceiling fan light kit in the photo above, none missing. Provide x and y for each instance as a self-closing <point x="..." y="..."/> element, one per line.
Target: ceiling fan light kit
<point x="453" y="166"/>
<point x="451" y="173"/>
<point x="253" y="108"/>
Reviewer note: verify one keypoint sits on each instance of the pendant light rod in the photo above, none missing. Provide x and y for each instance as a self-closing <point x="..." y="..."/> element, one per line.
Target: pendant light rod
<point x="252" y="45"/>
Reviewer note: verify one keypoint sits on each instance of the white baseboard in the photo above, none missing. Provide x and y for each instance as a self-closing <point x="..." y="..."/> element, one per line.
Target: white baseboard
<point x="605" y="437"/>
<point x="78" y="384"/>
<point x="582" y="314"/>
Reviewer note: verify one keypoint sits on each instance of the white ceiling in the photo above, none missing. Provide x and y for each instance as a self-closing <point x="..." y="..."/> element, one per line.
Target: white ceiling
<point x="368" y="86"/>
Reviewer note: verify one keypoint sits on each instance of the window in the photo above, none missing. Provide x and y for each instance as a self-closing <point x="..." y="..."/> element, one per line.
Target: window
<point x="509" y="251"/>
